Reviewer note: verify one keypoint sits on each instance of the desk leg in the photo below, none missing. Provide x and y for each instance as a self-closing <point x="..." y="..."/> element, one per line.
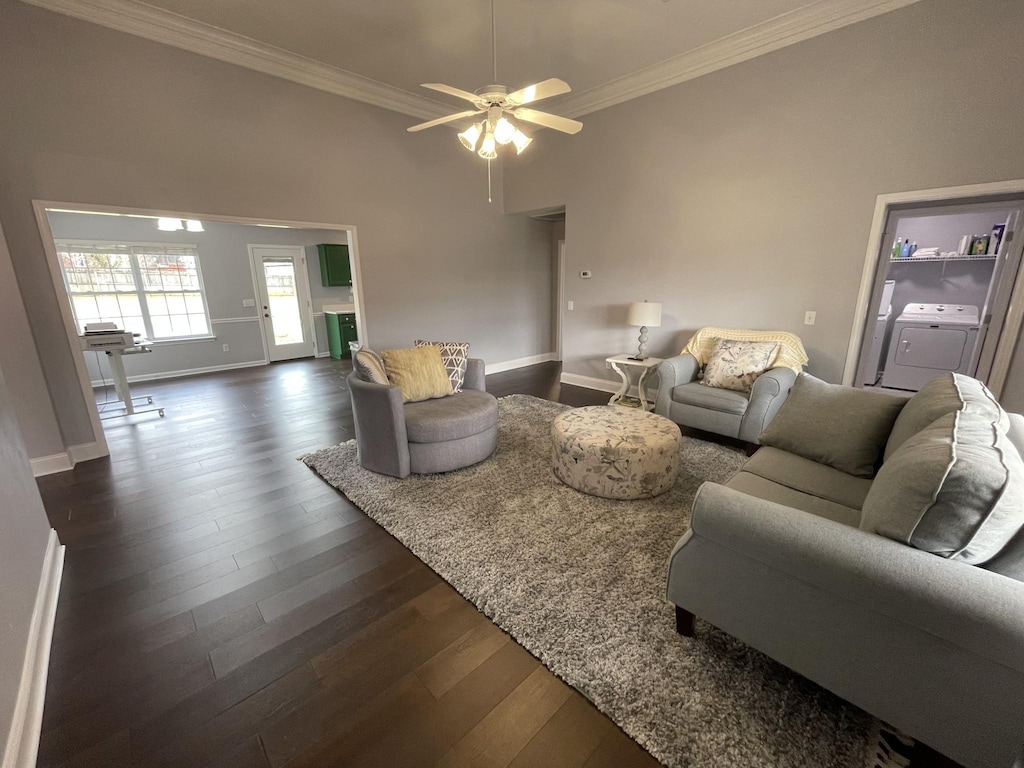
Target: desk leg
<point x="121" y="380"/>
<point x="642" y="388"/>
<point x="625" y="385"/>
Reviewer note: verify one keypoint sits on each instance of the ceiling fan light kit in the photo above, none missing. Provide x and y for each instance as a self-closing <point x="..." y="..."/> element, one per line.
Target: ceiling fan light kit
<point x="497" y="103"/>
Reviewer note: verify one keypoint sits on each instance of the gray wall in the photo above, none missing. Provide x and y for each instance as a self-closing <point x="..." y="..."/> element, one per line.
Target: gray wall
<point x="745" y="197"/>
<point x="24" y="531"/>
<point x="227" y="279"/>
<point x="97" y="116"/>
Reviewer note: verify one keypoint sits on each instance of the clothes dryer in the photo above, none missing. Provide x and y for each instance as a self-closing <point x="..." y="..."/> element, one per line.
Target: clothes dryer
<point x="929" y="339"/>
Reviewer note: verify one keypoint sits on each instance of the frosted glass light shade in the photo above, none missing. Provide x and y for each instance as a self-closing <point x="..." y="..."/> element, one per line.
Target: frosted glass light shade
<point x="487" y="150"/>
<point x="644" y="313"/>
<point x="504" y="131"/>
<point x="521" y="140"/>
<point x="471" y="136"/>
<point x="169" y="225"/>
<point x="194" y="225"/>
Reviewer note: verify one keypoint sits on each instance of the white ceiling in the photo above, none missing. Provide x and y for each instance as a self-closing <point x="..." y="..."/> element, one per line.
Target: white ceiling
<point x="584" y="42"/>
<point x="379" y="51"/>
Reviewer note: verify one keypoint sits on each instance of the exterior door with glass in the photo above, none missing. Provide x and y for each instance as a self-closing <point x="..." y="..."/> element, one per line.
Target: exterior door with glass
<point x="284" y="306"/>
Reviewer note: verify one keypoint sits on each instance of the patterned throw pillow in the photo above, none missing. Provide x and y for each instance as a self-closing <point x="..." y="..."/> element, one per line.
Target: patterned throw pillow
<point x="736" y="365"/>
<point x="454" y="355"/>
<point x="369" y="366"/>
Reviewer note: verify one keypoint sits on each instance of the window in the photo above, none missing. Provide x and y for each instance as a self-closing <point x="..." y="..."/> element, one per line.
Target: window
<point x="156" y="290"/>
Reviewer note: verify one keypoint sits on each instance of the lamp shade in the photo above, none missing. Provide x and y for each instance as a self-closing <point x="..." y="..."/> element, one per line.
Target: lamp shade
<point x="644" y="313"/>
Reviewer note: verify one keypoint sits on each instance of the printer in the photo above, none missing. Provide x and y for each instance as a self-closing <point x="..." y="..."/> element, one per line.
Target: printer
<point x="100" y="337"/>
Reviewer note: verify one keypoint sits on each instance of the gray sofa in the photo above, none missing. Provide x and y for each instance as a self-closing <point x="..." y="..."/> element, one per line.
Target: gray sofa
<point x="798" y="559"/>
<point x="683" y="399"/>
<point x="439" y="435"/>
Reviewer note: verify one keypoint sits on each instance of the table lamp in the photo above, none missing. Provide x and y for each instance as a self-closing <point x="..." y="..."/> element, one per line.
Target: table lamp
<point x="645" y="314"/>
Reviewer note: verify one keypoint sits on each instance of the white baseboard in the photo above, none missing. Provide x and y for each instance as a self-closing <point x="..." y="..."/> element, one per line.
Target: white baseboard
<point x="183" y="372"/>
<point x="522" y="362"/>
<point x="62" y="462"/>
<point x="23" y="737"/>
<point x="48" y="465"/>
<point x="604" y="385"/>
<point x="85" y="452"/>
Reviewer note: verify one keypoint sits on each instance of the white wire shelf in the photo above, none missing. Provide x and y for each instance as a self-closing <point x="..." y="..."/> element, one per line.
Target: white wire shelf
<point x="912" y="259"/>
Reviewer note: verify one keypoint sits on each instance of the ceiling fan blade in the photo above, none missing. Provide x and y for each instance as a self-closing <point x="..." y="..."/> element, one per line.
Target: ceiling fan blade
<point x="453" y="92"/>
<point x="563" y="124"/>
<point x="443" y="120"/>
<point x="542" y="90"/>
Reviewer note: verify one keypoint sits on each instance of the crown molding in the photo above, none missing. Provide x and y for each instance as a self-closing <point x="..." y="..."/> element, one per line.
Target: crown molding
<point x="162" y="26"/>
<point x="782" y="31"/>
<point x="182" y="32"/>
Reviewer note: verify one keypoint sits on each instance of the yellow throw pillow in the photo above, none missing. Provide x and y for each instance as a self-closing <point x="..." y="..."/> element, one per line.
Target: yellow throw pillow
<point x="418" y="372"/>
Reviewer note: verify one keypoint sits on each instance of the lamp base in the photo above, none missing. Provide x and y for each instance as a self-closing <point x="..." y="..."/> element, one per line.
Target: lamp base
<point x="641" y="352"/>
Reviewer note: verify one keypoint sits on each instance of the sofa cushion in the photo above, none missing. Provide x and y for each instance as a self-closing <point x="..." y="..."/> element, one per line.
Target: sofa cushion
<point x="454" y="355"/>
<point x="809" y="477"/>
<point x="944" y="394"/>
<point x="467" y="413"/>
<point x="735" y="365"/>
<point x="712" y="398"/>
<point x="418" y="372"/>
<point x="955" y="489"/>
<point x="755" y="485"/>
<point x="843" y="427"/>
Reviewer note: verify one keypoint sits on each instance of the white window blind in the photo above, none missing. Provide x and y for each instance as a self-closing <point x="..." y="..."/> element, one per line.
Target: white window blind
<point x="156" y="290"/>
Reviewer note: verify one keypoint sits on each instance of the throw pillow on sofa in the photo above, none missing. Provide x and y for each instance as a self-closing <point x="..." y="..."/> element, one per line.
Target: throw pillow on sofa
<point x="369" y="366"/>
<point x="454" y="355"/>
<point x="843" y="427"/>
<point x="955" y="489"/>
<point x="736" y="365"/>
<point x="418" y="372"/>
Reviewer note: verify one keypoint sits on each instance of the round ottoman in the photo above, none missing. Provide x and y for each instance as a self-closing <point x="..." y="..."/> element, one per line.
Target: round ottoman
<point x="615" y="452"/>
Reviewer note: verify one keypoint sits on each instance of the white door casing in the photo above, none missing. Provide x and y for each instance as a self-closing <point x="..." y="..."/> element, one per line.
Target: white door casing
<point x="285" y="309"/>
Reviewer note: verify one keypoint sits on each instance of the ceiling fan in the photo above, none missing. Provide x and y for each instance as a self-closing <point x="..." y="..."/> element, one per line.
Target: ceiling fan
<point x="496" y="102"/>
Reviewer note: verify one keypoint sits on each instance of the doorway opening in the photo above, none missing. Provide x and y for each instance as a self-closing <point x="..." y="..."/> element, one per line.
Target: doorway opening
<point x="184" y="288"/>
<point x="940" y="292"/>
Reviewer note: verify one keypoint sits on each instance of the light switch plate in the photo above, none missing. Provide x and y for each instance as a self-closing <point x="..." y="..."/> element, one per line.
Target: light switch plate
<point x="810" y="316"/>
<point x="248" y="302"/>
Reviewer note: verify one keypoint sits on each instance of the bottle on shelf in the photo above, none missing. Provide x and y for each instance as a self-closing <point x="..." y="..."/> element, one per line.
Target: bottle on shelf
<point x="905" y="250"/>
<point x="913" y="248"/>
<point x="896" y="246"/>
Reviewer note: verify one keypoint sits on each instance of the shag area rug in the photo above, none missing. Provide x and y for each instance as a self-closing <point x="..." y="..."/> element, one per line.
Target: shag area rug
<point x="580" y="581"/>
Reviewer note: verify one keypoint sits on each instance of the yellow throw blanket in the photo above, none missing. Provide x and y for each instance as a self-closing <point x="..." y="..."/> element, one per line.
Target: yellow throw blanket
<point x="790" y="353"/>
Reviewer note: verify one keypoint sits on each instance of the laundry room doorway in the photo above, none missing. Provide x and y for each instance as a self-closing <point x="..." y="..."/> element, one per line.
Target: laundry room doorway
<point x="941" y="295"/>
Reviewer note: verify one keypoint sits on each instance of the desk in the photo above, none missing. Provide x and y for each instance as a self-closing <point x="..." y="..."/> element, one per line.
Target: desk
<point x="624" y="365"/>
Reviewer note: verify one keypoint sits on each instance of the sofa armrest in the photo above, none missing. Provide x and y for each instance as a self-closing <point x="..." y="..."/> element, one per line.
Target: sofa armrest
<point x="769" y="392"/>
<point x="379" y="418"/>
<point x="475" y="378"/>
<point x="971" y="608"/>
<point x="673" y="372"/>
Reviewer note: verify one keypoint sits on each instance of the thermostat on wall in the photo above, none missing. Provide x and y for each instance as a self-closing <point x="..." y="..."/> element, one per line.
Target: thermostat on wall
<point x="585" y="274"/>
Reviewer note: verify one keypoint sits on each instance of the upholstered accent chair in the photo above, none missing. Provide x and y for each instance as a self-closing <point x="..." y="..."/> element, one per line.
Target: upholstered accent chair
<point x="439" y="435"/>
<point x="742" y="415"/>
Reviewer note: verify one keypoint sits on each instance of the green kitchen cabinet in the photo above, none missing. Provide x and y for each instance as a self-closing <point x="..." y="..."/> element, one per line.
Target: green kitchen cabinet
<point x="341" y="329"/>
<point x="335" y="268"/>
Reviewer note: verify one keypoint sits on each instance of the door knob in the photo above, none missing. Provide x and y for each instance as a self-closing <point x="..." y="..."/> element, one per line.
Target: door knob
<point x="266" y="314"/>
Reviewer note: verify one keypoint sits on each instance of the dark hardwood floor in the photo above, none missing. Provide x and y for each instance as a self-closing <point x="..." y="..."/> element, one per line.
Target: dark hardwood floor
<point x="223" y="606"/>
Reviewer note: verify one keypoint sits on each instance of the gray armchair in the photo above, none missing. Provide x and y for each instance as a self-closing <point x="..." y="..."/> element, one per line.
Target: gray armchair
<point x="440" y="435"/>
<point x="722" y="411"/>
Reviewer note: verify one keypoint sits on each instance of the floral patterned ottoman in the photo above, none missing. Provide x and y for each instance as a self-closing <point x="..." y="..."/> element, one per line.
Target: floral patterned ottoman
<point x="615" y="452"/>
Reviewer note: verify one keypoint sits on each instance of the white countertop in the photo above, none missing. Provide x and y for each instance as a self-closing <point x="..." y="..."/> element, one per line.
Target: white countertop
<point x="339" y="308"/>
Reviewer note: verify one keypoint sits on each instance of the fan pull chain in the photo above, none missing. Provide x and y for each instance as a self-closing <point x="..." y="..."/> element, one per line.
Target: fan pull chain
<point x="488" y="181"/>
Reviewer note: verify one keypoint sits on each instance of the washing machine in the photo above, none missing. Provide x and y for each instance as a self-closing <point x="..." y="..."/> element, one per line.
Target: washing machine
<point x="880" y="339"/>
<point x="929" y="339"/>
